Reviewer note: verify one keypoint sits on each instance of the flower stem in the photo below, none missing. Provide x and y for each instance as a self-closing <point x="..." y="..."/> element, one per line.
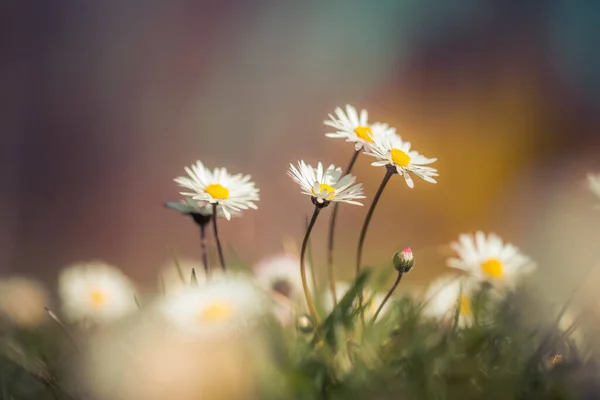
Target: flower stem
<point x="388" y="295"/>
<point x="203" y="249"/>
<point x="311" y="262"/>
<point x="330" y="269"/>
<point x="202" y="220"/>
<point x="309" y="300"/>
<point x="216" y="233"/>
<point x="363" y="233"/>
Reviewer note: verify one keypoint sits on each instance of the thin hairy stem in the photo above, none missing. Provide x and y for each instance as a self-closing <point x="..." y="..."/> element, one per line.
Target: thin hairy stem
<point x="309" y="300"/>
<point x="204" y="249"/>
<point x="363" y="233"/>
<point x="310" y="259"/>
<point x="330" y="269"/>
<point x="388" y="295"/>
<point x="216" y="233"/>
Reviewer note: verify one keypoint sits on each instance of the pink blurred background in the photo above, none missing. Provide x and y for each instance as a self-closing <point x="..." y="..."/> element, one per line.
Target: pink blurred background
<point x="105" y="103"/>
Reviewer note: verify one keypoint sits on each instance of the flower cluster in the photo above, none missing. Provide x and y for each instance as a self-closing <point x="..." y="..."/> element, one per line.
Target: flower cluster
<point x="218" y="310"/>
<point x="381" y="141"/>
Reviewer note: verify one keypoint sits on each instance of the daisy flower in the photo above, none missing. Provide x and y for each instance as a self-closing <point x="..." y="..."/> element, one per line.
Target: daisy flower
<point x="489" y="259"/>
<point x="22" y="301"/>
<point x="594" y="183"/>
<point x="446" y="294"/>
<point x="96" y="291"/>
<point x="224" y="305"/>
<point x="355" y="128"/>
<point x="230" y="192"/>
<point x="325" y="185"/>
<point x="391" y="150"/>
<point x="281" y="274"/>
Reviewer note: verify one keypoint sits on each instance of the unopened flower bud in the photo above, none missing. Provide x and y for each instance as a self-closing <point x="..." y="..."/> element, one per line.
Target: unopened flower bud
<point x="404" y="260"/>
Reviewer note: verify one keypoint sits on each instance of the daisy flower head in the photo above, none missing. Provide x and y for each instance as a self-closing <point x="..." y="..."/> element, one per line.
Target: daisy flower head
<point x="326" y="185"/>
<point x="231" y="193"/>
<point x="96" y="291"/>
<point x="281" y="274"/>
<point x="488" y="258"/>
<point x="224" y="305"/>
<point x="447" y="293"/>
<point x="355" y="128"/>
<point x="594" y="183"/>
<point x="393" y="152"/>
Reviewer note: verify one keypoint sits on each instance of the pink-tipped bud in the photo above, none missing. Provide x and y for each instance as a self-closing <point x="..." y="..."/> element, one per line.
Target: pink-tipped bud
<point x="404" y="260"/>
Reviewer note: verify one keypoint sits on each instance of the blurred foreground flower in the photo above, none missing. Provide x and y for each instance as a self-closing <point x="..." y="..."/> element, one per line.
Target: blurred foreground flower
<point x="446" y="294"/>
<point x="230" y="193"/>
<point x="22" y="301"/>
<point x="489" y="259"/>
<point x="281" y="274"/>
<point x="355" y="128"/>
<point x="97" y="291"/>
<point x="326" y="185"/>
<point x="391" y="150"/>
<point x="224" y="305"/>
<point x="146" y="361"/>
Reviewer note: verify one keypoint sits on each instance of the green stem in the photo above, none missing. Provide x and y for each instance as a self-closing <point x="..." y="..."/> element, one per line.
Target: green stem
<point x="330" y="269"/>
<point x="203" y="248"/>
<point x="363" y="233"/>
<point x="388" y="295"/>
<point x="216" y="233"/>
<point x="309" y="300"/>
<point x="365" y="227"/>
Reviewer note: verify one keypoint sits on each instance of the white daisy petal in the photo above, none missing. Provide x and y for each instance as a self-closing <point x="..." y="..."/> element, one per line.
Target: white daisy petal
<point x="408" y="179"/>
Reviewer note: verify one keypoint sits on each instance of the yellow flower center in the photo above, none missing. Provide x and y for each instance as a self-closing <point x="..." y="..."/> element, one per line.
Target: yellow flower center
<point x="493" y="268"/>
<point x="464" y="307"/>
<point x="365" y="133"/>
<point x="216" y="312"/>
<point x="217" y="191"/>
<point x="325" y="187"/>
<point x="400" y="158"/>
<point x="98" y="298"/>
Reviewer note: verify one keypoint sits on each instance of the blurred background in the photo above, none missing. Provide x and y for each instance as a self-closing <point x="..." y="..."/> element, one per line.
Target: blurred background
<point x="104" y="103"/>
